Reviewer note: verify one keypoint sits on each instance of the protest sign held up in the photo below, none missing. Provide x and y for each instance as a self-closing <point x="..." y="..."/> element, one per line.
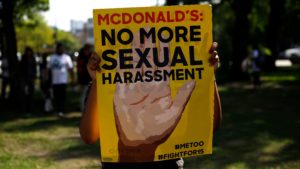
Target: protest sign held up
<point x="155" y="89"/>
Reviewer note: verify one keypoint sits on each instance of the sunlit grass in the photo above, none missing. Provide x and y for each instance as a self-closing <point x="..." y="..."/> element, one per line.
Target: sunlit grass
<point x="279" y="78"/>
<point x="29" y="143"/>
<point x="237" y="165"/>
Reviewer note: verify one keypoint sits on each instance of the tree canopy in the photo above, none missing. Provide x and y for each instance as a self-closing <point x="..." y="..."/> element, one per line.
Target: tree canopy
<point x="272" y="25"/>
<point x="37" y="34"/>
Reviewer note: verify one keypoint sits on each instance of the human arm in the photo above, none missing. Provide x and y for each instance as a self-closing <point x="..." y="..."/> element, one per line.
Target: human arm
<point x="217" y="109"/>
<point x="214" y="61"/>
<point x="70" y="70"/>
<point x="47" y="71"/>
<point x="89" y="124"/>
<point x="71" y="73"/>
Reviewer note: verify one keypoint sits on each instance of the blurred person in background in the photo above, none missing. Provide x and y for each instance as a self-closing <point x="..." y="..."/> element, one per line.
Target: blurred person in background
<point x="45" y="83"/>
<point x="28" y="75"/>
<point x="5" y="77"/>
<point x="61" y="66"/>
<point x="256" y="66"/>
<point x="82" y="73"/>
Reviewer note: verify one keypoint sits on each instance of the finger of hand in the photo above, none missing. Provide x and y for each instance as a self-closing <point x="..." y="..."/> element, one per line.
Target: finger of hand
<point x="171" y="116"/>
<point x="150" y="45"/>
<point x="93" y="65"/>
<point x="184" y="95"/>
<point x="213" y="47"/>
<point x="95" y="57"/>
<point x="214" y="58"/>
<point x="135" y="57"/>
<point x="164" y="54"/>
<point x="94" y="61"/>
<point x="120" y="86"/>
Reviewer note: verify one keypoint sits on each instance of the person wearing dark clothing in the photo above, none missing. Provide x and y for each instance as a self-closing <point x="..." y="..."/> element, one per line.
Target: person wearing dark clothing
<point x="256" y="67"/>
<point x="82" y="61"/>
<point x="82" y="72"/>
<point x="5" y="77"/>
<point x="45" y="83"/>
<point x="28" y="75"/>
<point x="59" y="93"/>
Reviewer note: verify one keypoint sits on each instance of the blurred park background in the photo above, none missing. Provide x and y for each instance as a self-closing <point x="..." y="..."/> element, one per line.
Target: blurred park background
<point x="261" y="120"/>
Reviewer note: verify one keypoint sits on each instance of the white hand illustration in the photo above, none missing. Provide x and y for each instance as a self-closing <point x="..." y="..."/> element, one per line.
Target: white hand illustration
<point x="145" y="113"/>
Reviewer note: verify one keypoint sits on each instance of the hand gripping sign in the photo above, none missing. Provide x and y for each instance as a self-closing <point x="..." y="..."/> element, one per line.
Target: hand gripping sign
<point x="155" y="89"/>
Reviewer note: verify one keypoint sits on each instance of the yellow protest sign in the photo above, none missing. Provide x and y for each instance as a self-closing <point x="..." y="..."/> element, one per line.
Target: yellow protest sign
<point x="155" y="89"/>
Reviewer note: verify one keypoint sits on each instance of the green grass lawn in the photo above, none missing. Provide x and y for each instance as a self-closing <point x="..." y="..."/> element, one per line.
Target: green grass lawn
<point x="260" y="129"/>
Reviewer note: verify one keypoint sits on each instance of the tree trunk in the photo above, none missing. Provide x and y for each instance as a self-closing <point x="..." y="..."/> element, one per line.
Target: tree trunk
<point x="10" y="50"/>
<point x="240" y="37"/>
<point x="273" y="32"/>
<point x="1" y="30"/>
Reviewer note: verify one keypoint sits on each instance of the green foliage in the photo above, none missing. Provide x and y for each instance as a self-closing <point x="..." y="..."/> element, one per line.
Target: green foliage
<point x="41" y="37"/>
<point x="258" y="19"/>
<point x="291" y="21"/>
<point x="37" y="36"/>
<point x="223" y="20"/>
<point x="27" y="10"/>
<point x="33" y="31"/>
<point x="68" y="40"/>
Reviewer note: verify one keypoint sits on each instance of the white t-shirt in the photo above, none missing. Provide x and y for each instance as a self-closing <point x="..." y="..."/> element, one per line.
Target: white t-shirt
<point x="59" y="65"/>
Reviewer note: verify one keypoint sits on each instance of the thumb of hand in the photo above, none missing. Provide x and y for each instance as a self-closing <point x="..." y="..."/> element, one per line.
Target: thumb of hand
<point x="184" y="95"/>
<point x="172" y="116"/>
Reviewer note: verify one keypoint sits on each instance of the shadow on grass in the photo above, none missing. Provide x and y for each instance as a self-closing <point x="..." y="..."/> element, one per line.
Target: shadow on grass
<point x="79" y="150"/>
<point x="37" y="118"/>
<point x="44" y="123"/>
<point x="11" y="111"/>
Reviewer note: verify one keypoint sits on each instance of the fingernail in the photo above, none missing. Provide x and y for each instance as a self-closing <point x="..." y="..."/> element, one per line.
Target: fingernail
<point x="215" y="44"/>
